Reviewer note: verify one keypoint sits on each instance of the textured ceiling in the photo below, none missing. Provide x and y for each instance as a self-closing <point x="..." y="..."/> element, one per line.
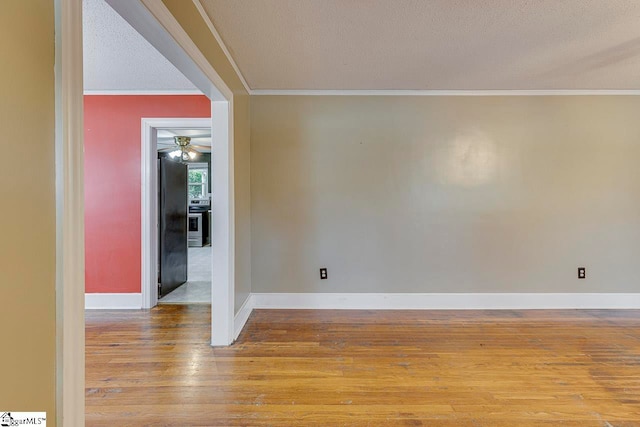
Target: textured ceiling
<point x="432" y="44"/>
<point x="116" y="57"/>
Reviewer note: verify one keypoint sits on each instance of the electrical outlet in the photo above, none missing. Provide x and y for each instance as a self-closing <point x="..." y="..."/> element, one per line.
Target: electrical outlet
<point x="323" y="273"/>
<point x="582" y="273"/>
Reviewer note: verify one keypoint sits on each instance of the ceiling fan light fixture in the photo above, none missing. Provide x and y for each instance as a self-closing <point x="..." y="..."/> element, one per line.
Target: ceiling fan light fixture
<point x="182" y="141"/>
<point x="183" y="150"/>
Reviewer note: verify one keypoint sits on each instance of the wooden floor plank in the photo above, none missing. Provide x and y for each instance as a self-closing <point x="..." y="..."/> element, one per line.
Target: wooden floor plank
<point x="365" y="368"/>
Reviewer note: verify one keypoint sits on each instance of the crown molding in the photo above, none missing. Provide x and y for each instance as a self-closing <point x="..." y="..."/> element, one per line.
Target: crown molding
<point x="383" y="92"/>
<point x="144" y="92"/>
<point x="393" y="92"/>
<point x="215" y="33"/>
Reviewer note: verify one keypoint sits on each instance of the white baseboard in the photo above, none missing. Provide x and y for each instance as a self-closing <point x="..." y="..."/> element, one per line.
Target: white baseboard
<point x="408" y="301"/>
<point x="242" y="316"/>
<point x="113" y="301"/>
<point x="446" y="301"/>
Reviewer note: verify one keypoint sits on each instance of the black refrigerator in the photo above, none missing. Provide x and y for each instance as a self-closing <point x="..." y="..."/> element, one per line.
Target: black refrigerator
<point x="172" y="225"/>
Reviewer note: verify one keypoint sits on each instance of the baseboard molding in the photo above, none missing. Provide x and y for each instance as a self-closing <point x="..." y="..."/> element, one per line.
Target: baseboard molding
<point x="446" y="301"/>
<point x="113" y="301"/>
<point x="242" y="316"/>
<point x="408" y="301"/>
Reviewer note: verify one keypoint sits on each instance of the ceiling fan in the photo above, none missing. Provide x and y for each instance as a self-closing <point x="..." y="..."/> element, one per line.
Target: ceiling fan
<point x="183" y="149"/>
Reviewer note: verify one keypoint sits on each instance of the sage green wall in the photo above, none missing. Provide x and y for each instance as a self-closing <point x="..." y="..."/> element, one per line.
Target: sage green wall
<point x="445" y="194"/>
<point x="27" y="213"/>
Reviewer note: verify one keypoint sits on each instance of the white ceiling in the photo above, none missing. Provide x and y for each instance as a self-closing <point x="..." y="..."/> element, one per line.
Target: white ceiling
<point x="432" y="44"/>
<point x="117" y="57"/>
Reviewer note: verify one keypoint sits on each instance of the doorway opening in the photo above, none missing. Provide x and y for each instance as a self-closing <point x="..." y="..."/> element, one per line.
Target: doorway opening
<point x="178" y="269"/>
<point x="156" y="24"/>
<point x="195" y="287"/>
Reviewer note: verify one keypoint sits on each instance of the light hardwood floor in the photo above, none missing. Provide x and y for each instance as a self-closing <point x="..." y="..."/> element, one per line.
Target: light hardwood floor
<point x="365" y="368"/>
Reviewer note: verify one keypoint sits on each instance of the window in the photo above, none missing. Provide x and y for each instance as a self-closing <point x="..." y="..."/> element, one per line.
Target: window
<point x="198" y="180"/>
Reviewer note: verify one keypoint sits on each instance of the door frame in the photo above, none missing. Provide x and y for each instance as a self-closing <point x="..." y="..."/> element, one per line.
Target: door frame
<point x="153" y="20"/>
<point x="149" y="201"/>
<point x="155" y="23"/>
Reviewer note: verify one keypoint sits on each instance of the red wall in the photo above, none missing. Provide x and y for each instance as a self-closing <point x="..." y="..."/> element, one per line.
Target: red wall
<point x="112" y="182"/>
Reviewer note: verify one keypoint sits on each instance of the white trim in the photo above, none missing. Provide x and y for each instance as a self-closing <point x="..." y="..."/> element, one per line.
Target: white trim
<point x="143" y="92"/>
<point x="113" y="301"/>
<point x="390" y="92"/>
<point x="446" y="301"/>
<point x="149" y="198"/>
<point x="242" y="316"/>
<point x="69" y="166"/>
<point x="215" y="33"/>
<point x="223" y="221"/>
<point x="433" y="301"/>
<point x="380" y="92"/>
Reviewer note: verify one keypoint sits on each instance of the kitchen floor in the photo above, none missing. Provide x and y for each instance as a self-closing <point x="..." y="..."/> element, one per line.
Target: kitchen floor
<point x="198" y="287"/>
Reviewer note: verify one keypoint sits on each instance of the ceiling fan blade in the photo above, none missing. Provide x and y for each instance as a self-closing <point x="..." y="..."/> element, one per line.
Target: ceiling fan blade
<point x="202" y="147"/>
<point x="167" y="149"/>
<point x="172" y="133"/>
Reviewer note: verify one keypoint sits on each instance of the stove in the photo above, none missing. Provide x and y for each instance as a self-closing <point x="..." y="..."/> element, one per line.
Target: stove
<point x="199" y="222"/>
